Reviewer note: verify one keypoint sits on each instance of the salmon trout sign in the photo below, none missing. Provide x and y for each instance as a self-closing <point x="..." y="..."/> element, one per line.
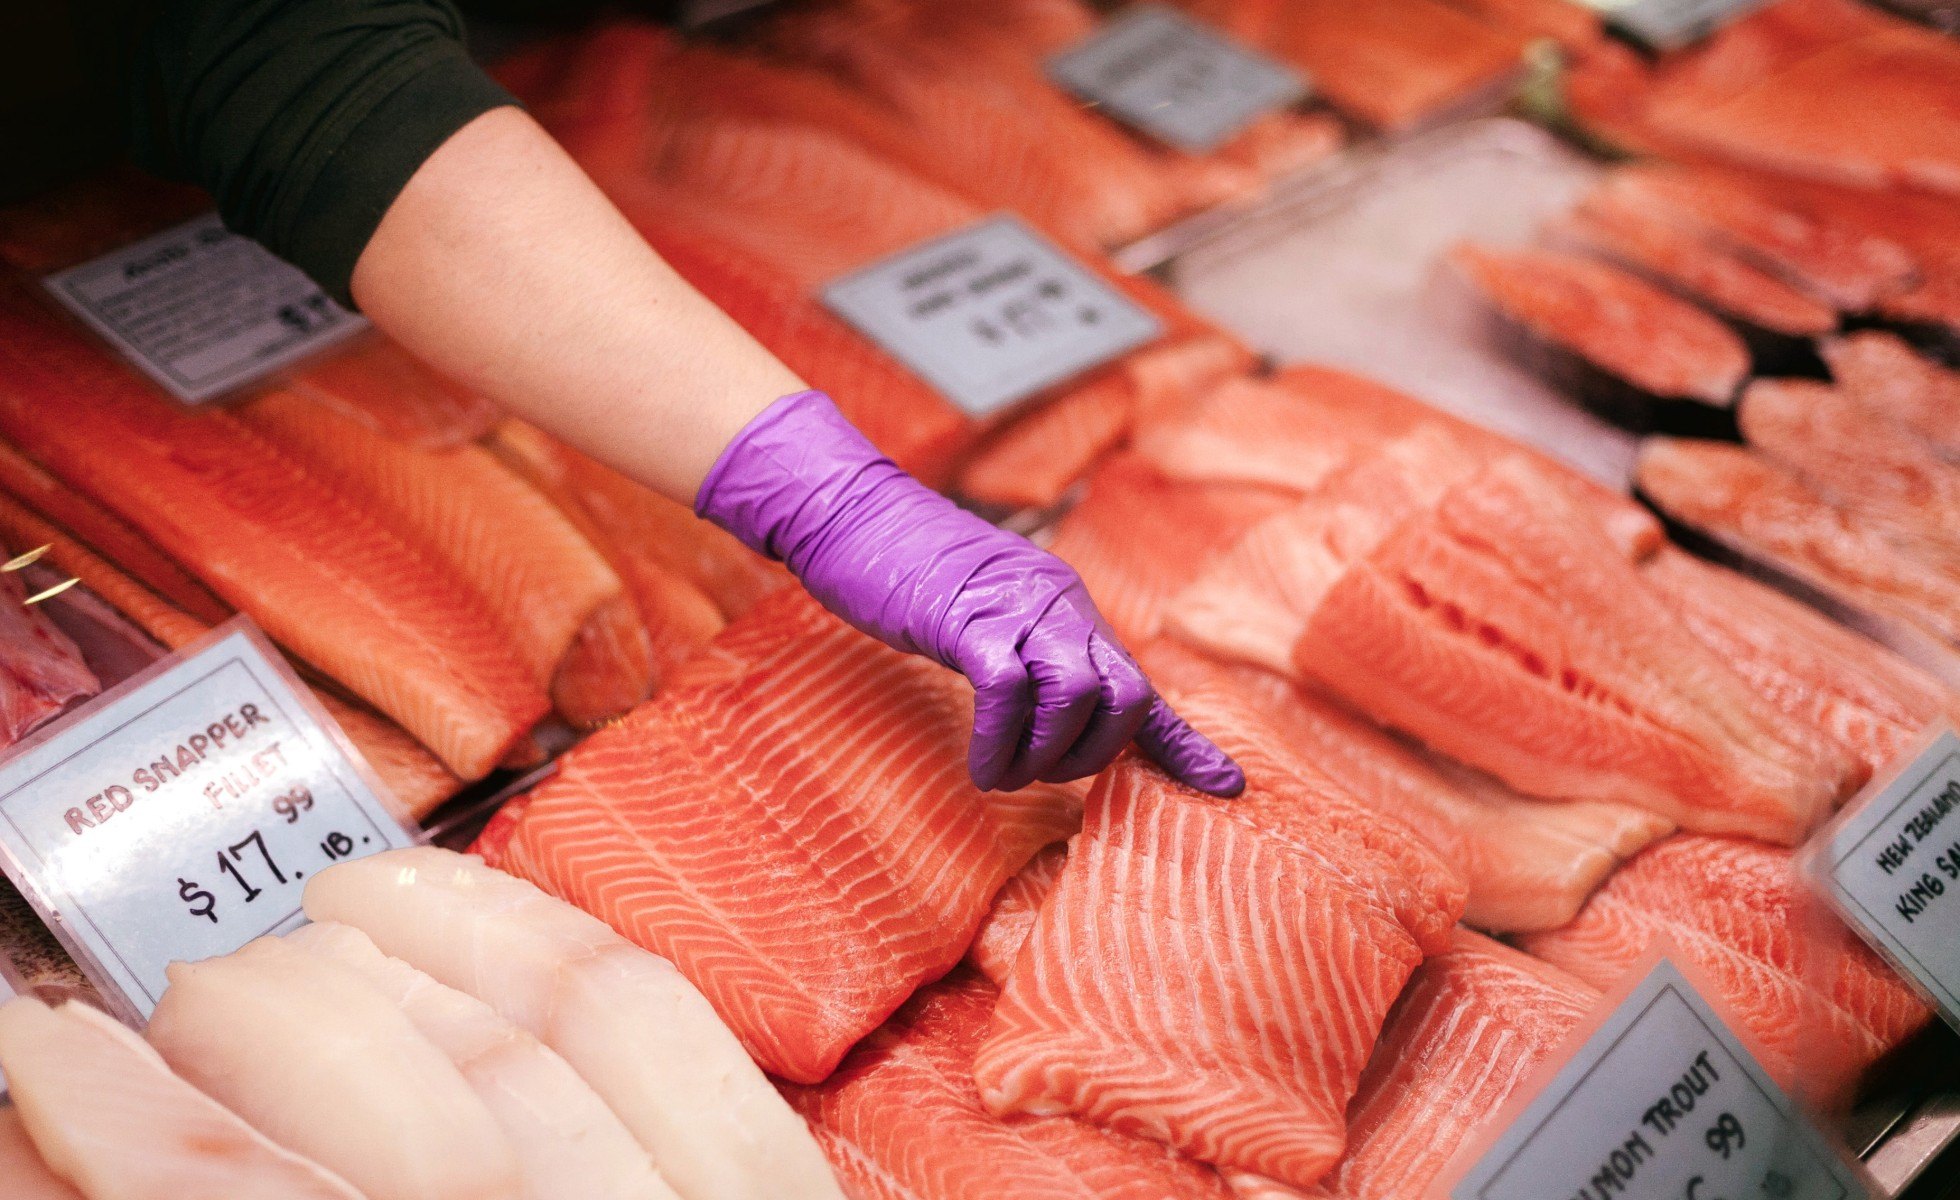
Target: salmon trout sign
<point x="1891" y="867"/>
<point x="179" y="815"/>
<point x="1660" y="1102"/>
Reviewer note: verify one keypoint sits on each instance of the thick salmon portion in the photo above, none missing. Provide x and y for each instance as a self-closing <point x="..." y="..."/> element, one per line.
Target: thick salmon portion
<point x="1875" y="469"/>
<point x="326" y="578"/>
<point x="1836" y="682"/>
<point x="792" y="824"/>
<point x="1620" y="324"/>
<point x="385" y="388"/>
<point x="1469" y="1029"/>
<point x="1738" y="496"/>
<point x="1122" y="1010"/>
<point x="1819" y="1003"/>
<point x="1885" y="374"/>
<point x="901" y="1120"/>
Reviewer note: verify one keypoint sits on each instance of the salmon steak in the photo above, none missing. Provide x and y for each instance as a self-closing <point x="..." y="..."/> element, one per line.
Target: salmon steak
<point x="1885" y="374"/>
<point x="1122" y="1010"/>
<point x="1817" y="672"/>
<point x="902" y="1120"/>
<point x="807" y="877"/>
<point x="332" y="581"/>
<point x="1818" y="1003"/>
<point x="1470" y="1028"/>
<point x="1611" y="320"/>
<point x="1751" y="504"/>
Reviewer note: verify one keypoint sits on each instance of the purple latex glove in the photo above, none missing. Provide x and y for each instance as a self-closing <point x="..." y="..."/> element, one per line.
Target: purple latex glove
<point x="1056" y="697"/>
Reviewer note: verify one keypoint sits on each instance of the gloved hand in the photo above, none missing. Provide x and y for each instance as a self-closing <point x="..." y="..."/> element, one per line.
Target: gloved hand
<point x="1056" y="697"/>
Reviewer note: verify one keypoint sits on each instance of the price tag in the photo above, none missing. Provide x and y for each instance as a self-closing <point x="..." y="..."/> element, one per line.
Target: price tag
<point x="1672" y="24"/>
<point x="1661" y="1103"/>
<point x="1892" y="868"/>
<point x="991" y="314"/>
<point x="177" y="816"/>
<point x="202" y="310"/>
<point x="1176" y="80"/>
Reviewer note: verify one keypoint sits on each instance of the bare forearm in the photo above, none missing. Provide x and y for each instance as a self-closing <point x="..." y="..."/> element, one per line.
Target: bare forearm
<point x="503" y="266"/>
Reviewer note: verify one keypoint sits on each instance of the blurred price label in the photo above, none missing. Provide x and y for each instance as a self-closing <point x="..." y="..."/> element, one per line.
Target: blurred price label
<point x="1892" y="868"/>
<point x="202" y="310"/>
<point x="1661" y="1103"/>
<point x="1672" y="24"/>
<point x="991" y="314"/>
<point x="1172" y="78"/>
<point x="178" y="816"/>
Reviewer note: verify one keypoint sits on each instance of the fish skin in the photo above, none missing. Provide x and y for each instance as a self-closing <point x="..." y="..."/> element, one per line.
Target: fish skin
<point x="569" y="1145"/>
<point x="626" y="1020"/>
<point x="322" y="576"/>
<point x="1614" y="320"/>
<point x="26" y="1176"/>
<point x="42" y="671"/>
<point x="1813" y="669"/>
<point x="872" y="858"/>
<point x="1886" y="375"/>
<point x="1819" y="1004"/>
<point x="1730" y="492"/>
<point x="1011" y="917"/>
<point x="108" y="534"/>
<point x="1124" y="1014"/>
<point x="1874" y="469"/>
<point x="1469" y="1029"/>
<point x="901" y="1118"/>
<point x="384" y="388"/>
<point x="530" y="566"/>
<point x="107" y="1115"/>
<point x="287" y="1040"/>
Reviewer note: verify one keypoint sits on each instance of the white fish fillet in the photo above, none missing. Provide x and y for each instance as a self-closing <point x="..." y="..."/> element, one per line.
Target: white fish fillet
<point x="108" y="1115"/>
<point x="569" y="1145"/>
<point x="319" y="1061"/>
<point x="23" y="1176"/>
<point x="630" y="1023"/>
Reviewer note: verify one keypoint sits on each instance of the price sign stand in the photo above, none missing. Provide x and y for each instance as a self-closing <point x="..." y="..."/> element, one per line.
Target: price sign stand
<point x="1659" y="1099"/>
<point x="178" y="815"/>
<point x="1889" y="864"/>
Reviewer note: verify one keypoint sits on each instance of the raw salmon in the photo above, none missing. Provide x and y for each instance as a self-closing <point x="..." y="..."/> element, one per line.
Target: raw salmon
<point x="1811" y="668"/>
<point x="107" y="1115"/>
<point x="1134" y="567"/>
<point x="1122" y="1010"/>
<point x="323" y="576"/>
<point x="42" y="671"/>
<point x="530" y="566"/>
<point x="1623" y="327"/>
<point x="569" y="1145"/>
<point x="1876" y="470"/>
<point x="1838" y="263"/>
<point x="1011" y="918"/>
<point x="317" y="1060"/>
<point x="1926" y="226"/>
<point x="901" y="1120"/>
<point x="27" y="1177"/>
<point x="108" y="534"/>
<point x="1885" y="374"/>
<point x="806" y="875"/>
<point x="382" y="386"/>
<point x="1468" y="1030"/>
<point x="1573" y="26"/>
<point x="1525" y="863"/>
<point x="1819" y="1003"/>
<point x="626" y="1021"/>
<point x="1609" y="223"/>
<point x="1737" y="496"/>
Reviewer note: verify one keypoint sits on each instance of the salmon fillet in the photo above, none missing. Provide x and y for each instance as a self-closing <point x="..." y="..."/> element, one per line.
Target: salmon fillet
<point x="1011" y="918"/>
<point x="1817" y="1002"/>
<point x="1621" y="325"/>
<point x="321" y="575"/>
<point x="1885" y="374"/>
<point x="1121" y="1009"/>
<point x="806" y="876"/>
<point x="1469" y="1029"/>
<point x="382" y="386"/>
<point x="901" y="1120"/>
<point x="1731" y="493"/>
